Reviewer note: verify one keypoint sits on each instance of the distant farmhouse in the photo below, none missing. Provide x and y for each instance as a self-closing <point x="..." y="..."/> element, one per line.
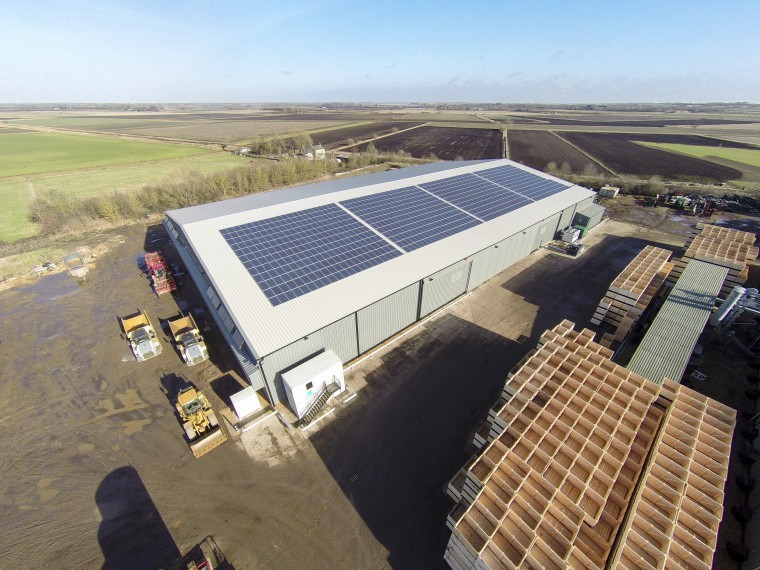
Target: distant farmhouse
<point x="314" y="152"/>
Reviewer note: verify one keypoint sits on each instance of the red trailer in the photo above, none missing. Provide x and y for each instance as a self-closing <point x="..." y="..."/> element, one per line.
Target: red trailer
<point x="160" y="275"/>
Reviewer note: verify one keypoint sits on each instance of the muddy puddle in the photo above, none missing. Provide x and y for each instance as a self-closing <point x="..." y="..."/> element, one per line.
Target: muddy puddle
<point x="53" y="287"/>
<point x="46" y="289"/>
<point x="744" y="224"/>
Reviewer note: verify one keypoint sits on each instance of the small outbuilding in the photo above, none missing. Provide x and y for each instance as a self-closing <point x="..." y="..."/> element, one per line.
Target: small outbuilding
<point x="588" y="216"/>
<point x="314" y="152"/>
<point x="313" y="383"/>
<point x="245" y="402"/>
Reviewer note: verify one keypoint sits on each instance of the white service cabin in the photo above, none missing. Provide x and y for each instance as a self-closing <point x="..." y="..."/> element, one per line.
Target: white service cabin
<point x="305" y="383"/>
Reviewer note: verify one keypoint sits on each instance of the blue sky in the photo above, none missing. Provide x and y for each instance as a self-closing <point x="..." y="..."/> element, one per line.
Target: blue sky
<point x="382" y="51"/>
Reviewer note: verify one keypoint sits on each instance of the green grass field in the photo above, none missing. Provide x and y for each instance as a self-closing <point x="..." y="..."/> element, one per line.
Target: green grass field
<point x="18" y="192"/>
<point x="741" y="155"/>
<point x="38" y="152"/>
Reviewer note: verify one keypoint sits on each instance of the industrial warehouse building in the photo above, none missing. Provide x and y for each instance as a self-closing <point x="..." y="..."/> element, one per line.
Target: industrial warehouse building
<point x="344" y="265"/>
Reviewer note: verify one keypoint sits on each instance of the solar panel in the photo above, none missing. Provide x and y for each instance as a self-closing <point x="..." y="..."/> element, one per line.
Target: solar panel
<point x="477" y="196"/>
<point x="525" y="183"/>
<point x="410" y="217"/>
<point x="294" y="254"/>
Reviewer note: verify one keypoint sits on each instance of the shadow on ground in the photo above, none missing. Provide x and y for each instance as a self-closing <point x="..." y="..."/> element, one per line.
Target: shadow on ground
<point x="225" y="386"/>
<point x="561" y="286"/>
<point x="132" y="533"/>
<point x="394" y="452"/>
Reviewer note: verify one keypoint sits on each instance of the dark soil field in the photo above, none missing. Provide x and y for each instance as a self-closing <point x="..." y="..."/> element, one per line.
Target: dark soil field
<point x="538" y="148"/>
<point x="697" y="140"/>
<point x="651" y="123"/>
<point x="620" y="153"/>
<point x="337" y="137"/>
<point x="445" y="143"/>
<point x="624" y="123"/>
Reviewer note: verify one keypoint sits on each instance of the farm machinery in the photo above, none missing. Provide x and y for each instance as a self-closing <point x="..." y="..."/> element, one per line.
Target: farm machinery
<point x="203" y="556"/>
<point x="141" y="336"/>
<point x="188" y="339"/>
<point x="160" y="275"/>
<point x="199" y="421"/>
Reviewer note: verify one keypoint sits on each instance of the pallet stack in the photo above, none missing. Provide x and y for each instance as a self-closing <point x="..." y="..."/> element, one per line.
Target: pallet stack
<point x="722" y="246"/>
<point x="632" y="291"/>
<point x="578" y="443"/>
<point x="680" y="505"/>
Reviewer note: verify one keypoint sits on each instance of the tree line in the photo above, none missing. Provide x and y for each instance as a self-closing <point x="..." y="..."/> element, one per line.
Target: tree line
<point x="56" y="213"/>
<point x="290" y="144"/>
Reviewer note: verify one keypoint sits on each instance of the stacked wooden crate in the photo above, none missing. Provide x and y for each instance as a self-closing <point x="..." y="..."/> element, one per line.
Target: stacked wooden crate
<point x="726" y="247"/>
<point x="632" y="291"/>
<point x="578" y="444"/>
<point x="680" y="505"/>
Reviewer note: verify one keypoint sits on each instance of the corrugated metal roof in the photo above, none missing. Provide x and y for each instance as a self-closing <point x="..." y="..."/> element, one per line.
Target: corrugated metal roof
<point x="591" y="210"/>
<point x="672" y="336"/>
<point x="267" y="328"/>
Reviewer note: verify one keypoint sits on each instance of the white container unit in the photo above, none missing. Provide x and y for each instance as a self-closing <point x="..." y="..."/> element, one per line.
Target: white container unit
<point x="245" y="402"/>
<point x="570" y="235"/>
<point x="305" y="382"/>
<point x="608" y="191"/>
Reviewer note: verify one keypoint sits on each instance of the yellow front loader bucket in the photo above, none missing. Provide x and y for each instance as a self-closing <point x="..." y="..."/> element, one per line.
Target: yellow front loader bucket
<point x="209" y="441"/>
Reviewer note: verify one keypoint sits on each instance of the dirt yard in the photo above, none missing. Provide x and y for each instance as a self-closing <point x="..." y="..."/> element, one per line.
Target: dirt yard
<point x="95" y="470"/>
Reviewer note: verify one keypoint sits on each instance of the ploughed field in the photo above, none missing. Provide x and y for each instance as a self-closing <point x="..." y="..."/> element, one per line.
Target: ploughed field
<point x="340" y="136"/>
<point x="444" y="142"/>
<point x="621" y="153"/>
<point x="617" y="122"/>
<point x="538" y="148"/>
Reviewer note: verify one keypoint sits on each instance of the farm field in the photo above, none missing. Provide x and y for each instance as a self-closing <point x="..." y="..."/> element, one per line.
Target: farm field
<point x="746" y="160"/>
<point x="336" y="137"/>
<point x="232" y="131"/>
<point x="18" y="192"/>
<point x="36" y="152"/>
<point x="697" y="140"/>
<point x="619" y="152"/>
<point x="538" y="148"/>
<point x="741" y="155"/>
<point x="102" y="124"/>
<point x="631" y="123"/>
<point x="11" y="130"/>
<point x="52" y="157"/>
<point x="445" y="142"/>
<point x="204" y="131"/>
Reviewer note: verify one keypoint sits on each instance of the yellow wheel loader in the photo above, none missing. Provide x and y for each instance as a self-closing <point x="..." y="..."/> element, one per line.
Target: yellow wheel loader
<point x="199" y="421"/>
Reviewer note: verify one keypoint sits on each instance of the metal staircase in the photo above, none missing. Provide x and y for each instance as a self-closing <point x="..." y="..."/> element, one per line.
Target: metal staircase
<point x="319" y="401"/>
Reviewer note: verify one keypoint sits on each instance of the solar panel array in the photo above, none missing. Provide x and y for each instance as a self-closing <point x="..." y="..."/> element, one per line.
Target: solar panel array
<point x="477" y="196"/>
<point x="523" y="182"/>
<point x="410" y="217"/>
<point x="294" y="254"/>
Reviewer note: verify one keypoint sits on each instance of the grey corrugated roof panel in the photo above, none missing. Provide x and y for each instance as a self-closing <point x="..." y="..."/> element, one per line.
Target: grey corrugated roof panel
<point x="591" y="210"/>
<point x="267" y="328"/>
<point x="274" y="197"/>
<point x="672" y="336"/>
<point x="249" y="366"/>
